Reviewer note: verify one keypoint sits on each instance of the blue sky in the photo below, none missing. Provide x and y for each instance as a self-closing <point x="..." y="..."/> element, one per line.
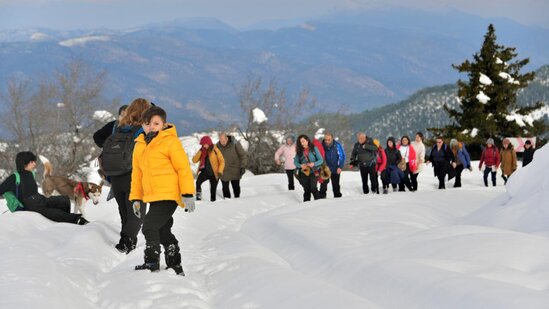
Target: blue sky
<point x="119" y="14"/>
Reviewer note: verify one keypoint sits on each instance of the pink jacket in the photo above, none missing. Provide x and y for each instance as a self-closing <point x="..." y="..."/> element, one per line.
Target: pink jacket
<point x="288" y="152"/>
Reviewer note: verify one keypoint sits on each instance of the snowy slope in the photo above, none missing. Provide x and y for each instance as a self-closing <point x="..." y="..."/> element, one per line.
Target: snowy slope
<point x="429" y="249"/>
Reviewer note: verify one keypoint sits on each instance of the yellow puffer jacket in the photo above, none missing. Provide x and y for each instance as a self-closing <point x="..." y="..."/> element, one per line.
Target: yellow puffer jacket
<point x="216" y="160"/>
<point x="161" y="170"/>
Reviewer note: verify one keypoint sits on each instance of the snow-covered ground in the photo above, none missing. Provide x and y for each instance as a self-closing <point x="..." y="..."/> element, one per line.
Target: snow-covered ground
<point x="471" y="247"/>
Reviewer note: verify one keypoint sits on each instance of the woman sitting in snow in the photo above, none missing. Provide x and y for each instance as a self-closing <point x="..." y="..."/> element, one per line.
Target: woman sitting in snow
<point x="55" y="208"/>
<point x="308" y="160"/>
<point x="161" y="176"/>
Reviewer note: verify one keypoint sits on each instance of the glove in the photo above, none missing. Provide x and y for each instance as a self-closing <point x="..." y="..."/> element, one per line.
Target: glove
<point x="242" y="171"/>
<point x="137" y="208"/>
<point x="189" y="203"/>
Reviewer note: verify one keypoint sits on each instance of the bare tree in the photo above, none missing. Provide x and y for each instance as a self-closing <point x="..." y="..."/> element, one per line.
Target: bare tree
<point x="263" y="137"/>
<point x="55" y="117"/>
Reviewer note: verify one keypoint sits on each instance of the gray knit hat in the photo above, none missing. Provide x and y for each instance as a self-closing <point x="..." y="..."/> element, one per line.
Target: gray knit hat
<point x="490" y="141"/>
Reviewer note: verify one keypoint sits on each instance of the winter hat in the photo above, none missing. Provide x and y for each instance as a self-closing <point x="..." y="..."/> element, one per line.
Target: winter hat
<point x="206" y="140"/>
<point x="528" y="142"/>
<point x="453" y="143"/>
<point x="490" y="141"/>
<point x="376" y="142"/>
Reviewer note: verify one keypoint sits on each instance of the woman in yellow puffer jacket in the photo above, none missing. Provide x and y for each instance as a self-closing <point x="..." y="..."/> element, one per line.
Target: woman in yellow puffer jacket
<point x="161" y="176"/>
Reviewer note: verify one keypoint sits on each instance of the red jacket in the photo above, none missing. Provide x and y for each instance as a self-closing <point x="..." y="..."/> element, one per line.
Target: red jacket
<point x="381" y="163"/>
<point x="412" y="160"/>
<point x="490" y="157"/>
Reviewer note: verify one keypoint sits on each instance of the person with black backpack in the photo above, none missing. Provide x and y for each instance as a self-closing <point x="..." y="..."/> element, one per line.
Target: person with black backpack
<point x="117" y="164"/>
<point x="364" y="156"/>
<point x="22" y="187"/>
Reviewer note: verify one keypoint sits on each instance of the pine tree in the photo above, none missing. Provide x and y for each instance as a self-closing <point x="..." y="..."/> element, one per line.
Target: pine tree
<point x="488" y="100"/>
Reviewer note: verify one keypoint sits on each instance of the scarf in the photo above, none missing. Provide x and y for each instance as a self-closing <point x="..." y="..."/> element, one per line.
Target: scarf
<point x="150" y="136"/>
<point x="204" y="152"/>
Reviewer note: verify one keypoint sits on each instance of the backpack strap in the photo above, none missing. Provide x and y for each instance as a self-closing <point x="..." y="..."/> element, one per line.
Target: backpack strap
<point x="114" y="126"/>
<point x="17" y="182"/>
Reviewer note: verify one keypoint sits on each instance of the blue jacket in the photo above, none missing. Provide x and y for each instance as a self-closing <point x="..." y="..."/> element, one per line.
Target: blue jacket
<point x="335" y="156"/>
<point x="464" y="157"/>
<point x="314" y="157"/>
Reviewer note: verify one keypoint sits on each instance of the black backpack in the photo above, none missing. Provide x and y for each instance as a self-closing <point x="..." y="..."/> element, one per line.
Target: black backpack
<point x="116" y="158"/>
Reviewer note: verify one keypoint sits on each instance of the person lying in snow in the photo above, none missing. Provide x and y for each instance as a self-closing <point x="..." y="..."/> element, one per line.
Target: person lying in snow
<point x="55" y="208"/>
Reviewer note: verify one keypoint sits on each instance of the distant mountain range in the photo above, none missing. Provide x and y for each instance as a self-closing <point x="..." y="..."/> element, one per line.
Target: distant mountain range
<point x="350" y="62"/>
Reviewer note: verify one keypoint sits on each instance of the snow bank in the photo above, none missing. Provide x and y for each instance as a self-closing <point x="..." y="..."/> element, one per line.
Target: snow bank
<point x="267" y="249"/>
<point x="525" y="205"/>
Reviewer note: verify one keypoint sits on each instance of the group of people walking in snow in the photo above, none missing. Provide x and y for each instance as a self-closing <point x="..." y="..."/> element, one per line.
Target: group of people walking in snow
<point x="397" y="165"/>
<point x="158" y="173"/>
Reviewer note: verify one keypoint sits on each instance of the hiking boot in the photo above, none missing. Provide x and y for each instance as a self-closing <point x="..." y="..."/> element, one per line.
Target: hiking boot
<point x="153" y="266"/>
<point x="198" y="196"/>
<point x="173" y="259"/>
<point x="82" y="221"/>
<point x="126" y="244"/>
<point x="152" y="258"/>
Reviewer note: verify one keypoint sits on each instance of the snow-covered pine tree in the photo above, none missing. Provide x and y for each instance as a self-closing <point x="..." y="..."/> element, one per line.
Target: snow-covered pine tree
<point x="488" y="100"/>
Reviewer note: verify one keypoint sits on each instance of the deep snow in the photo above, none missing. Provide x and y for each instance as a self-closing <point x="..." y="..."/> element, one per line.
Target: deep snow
<point x="472" y="247"/>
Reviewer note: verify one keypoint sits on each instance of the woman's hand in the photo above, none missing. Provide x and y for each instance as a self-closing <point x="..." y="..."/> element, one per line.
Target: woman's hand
<point x="311" y="164"/>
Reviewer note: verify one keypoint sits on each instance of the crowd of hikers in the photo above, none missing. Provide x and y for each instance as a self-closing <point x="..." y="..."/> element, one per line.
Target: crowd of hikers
<point x="145" y="163"/>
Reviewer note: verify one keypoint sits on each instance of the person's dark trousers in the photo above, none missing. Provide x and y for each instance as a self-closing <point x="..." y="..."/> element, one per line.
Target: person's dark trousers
<point x="488" y="170"/>
<point x="385" y="179"/>
<point x="459" y="170"/>
<point x="55" y="208"/>
<point x="158" y="222"/>
<point x="405" y="181"/>
<point x="505" y="178"/>
<point x="290" y="174"/>
<point x="202" y="177"/>
<point x="413" y="180"/>
<point x="335" y="186"/>
<point x="370" y="171"/>
<point x="441" y="183"/>
<point x="309" y="187"/>
<point x="130" y="223"/>
<point x="236" y="188"/>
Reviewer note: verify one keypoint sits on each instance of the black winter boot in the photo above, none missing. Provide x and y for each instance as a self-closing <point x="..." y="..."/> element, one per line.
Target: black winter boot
<point x="173" y="259"/>
<point x="152" y="258"/>
<point x="198" y="195"/>
<point x="126" y="244"/>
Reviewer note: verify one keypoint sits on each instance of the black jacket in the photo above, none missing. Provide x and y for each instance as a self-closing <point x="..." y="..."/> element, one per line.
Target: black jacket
<point x="528" y="156"/>
<point x="27" y="187"/>
<point x="102" y="134"/>
<point x="393" y="156"/>
<point x="364" y="153"/>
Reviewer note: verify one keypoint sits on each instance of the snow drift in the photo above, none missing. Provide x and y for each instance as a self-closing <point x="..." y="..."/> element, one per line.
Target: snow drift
<point x="525" y="205"/>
